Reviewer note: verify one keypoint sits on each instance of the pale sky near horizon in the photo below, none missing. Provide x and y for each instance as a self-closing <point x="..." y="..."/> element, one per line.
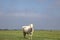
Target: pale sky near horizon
<point x="44" y="14"/>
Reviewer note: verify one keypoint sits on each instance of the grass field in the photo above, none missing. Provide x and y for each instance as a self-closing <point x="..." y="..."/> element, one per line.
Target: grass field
<point x="38" y="35"/>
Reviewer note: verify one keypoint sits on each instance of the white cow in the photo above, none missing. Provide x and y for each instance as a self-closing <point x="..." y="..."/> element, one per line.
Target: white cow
<point x="28" y="30"/>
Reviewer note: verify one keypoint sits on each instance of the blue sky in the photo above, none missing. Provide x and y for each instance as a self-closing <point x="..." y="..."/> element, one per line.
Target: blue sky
<point x="44" y="14"/>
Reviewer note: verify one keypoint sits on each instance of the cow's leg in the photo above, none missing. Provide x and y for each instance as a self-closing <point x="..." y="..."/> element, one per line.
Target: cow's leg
<point x="30" y="36"/>
<point x="24" y="34"/>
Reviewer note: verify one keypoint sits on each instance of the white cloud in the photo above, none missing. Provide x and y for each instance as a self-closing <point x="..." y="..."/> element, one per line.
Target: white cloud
<point x="28" y="15"/>
<point x="24" y="14"/>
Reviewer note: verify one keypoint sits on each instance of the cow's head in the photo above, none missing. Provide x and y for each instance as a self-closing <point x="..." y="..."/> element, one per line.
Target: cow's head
<point x="31" y="25"/>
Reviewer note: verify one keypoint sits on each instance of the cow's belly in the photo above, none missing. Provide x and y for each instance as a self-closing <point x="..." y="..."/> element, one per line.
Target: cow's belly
<point x="27" y="30"/>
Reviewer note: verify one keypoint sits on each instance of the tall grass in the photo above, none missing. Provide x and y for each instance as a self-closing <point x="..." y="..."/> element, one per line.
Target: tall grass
<point x="38" y="35"/>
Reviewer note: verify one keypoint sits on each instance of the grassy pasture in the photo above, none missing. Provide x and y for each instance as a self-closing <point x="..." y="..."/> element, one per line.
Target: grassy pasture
<point x="38" y="35"/>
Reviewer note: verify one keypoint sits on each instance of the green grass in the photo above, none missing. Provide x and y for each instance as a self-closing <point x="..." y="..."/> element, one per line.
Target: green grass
<point x="38" y="35"/>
